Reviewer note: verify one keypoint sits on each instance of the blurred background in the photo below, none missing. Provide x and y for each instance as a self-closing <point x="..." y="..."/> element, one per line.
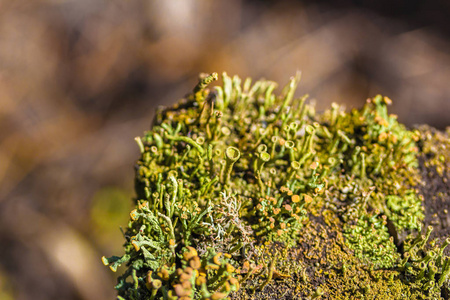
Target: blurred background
<point x="79" y="79"/>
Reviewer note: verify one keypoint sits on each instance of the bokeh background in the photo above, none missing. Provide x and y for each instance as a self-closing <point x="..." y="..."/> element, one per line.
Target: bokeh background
<point x="79" y="79"/>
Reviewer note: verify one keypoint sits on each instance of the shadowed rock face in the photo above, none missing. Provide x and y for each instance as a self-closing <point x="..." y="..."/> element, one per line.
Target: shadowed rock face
<point x="245" y="193"/>
<point x="434" y="167"/>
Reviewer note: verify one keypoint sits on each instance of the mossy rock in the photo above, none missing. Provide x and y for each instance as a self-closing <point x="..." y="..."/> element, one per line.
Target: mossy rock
<point x="243" y="194"/>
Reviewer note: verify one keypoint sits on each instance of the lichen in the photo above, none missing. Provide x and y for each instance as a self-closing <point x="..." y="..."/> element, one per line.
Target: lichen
<point x="245" y="194"/>
<point x="436" y="146"/>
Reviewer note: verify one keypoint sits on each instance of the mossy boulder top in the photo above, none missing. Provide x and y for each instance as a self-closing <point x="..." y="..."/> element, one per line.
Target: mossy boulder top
<point x="245" y="194"/>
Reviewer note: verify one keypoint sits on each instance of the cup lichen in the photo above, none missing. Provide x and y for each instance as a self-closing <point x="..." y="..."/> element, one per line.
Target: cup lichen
<point x="243" y="194"/>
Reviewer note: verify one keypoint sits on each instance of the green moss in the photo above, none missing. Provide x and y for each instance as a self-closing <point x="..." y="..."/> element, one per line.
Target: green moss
<point x="240" y="192"/>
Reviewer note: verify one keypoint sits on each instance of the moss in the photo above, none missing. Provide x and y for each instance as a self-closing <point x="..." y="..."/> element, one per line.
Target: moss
<point x="248" y="195"/>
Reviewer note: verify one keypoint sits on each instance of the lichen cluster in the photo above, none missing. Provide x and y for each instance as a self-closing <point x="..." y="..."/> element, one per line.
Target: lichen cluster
<point x="245" y="194"/>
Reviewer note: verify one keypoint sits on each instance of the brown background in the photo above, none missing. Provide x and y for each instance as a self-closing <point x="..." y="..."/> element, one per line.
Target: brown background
<point x="80" y="79"/>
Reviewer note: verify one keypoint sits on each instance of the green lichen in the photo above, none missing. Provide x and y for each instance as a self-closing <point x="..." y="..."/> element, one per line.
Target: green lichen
<point x="370" y="239"/>
<point x="436" y="146"/>
<point x="245" y="194"/>
<point x="405" y="212"/>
